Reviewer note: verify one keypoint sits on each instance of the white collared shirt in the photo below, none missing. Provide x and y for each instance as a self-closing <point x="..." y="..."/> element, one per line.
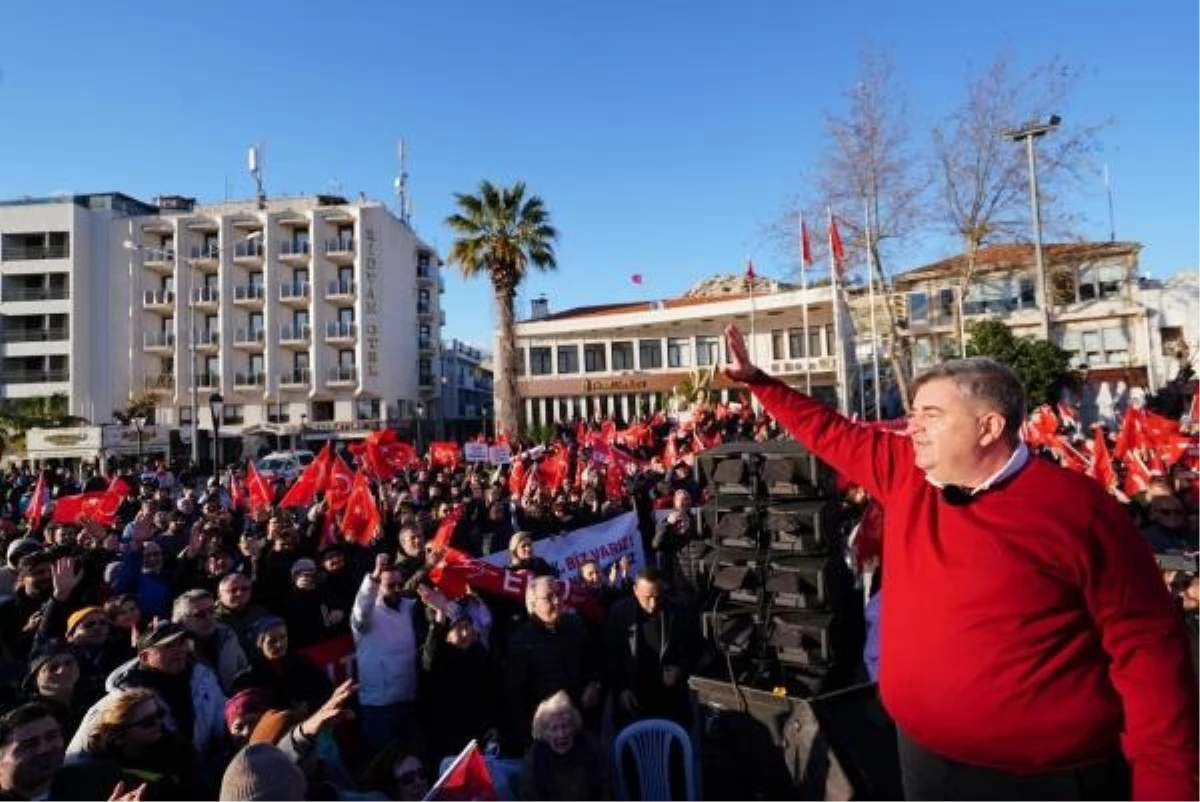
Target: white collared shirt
<point x="1016" y="462"/>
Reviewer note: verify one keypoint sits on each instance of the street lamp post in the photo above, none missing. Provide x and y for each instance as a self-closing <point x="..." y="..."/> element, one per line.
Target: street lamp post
<point x="485" y="423"/>
<point x="1028" y="133"/>
<point x="139" y="423"/>
<point x="216" y="408"/>
<point x="303" y="426"/>
<point x="420" y="416"/>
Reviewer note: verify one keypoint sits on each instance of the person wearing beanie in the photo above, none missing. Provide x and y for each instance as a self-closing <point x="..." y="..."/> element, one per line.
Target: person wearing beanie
<point x="313" y="611"/>
<point x="243" y="712"/>
<point x="262" y="772"/>
<point x="293" y="682"/>
<point x="53" y="681"/>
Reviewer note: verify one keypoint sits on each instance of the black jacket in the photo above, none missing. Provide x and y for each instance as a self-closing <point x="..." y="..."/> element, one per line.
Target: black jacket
<point x="543" y="661"/>
<point x="681" y="643"/>
<point x="458" y="691"/>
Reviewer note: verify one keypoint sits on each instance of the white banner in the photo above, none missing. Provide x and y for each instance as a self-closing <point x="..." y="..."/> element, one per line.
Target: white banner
<point x="475" y="452"/>
<point x="500" y="454"/>
<point x="604" y="542"/>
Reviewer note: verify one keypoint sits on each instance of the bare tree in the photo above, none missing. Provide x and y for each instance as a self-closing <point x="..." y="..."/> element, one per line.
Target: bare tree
<point x="981" y="179"/>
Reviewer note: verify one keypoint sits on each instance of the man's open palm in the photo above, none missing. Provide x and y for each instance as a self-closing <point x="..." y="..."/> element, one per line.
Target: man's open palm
<point x="740" y="368"/>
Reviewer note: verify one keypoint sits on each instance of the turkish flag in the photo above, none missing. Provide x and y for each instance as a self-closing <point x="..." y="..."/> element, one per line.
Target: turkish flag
<point x="100" y="506"/>
<point x="441" y="540"/>
<point x="805" y="246"/>
<point x="1137" y="475"/>
<point x="1101" y="468"/>
<point x="37" y="504"/>
<point x="341" y="482"/>
<point x="361" y="520"/>
<point x="237" y="492"/>
<point x="443" y="454"/>
<point x="312" y="481"/>
<point x="261" y="494"/>
<point x="518" y="477"/>
<point x="467" y="777"/>
<point x="552" y="471"/>
<point x="836" y="249"/>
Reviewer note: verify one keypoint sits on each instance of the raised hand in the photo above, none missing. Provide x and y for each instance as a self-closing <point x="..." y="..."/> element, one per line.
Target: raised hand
<point x="740" y="368"/>
<point x="333" y="711"/>
<point x="63" y="578"/>
<point x="119" y="794"/>
<point x="382" y="562"/>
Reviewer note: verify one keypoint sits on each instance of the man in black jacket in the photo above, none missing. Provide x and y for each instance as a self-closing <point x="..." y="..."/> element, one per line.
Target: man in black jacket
<point x="652" y="646"/>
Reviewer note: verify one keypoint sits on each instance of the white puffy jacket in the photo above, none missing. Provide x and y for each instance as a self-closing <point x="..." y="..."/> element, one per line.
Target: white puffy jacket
<point x="386" y="647"/>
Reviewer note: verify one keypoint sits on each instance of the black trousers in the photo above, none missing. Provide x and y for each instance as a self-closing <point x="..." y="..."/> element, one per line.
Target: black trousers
<point x="928" y="776"/>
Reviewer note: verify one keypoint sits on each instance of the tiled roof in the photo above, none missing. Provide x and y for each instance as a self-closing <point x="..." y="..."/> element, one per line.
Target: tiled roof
<point x="995" y="257"/>
<point x="637" y="306"/>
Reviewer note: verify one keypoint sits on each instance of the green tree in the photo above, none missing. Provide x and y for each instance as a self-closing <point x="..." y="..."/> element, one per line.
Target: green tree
<point x="502" y="233"/>
<point x="1044" y="368"/>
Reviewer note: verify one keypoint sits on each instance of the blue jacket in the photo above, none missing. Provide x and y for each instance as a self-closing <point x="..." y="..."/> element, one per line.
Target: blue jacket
<point x="153" y="591"/>
<point x="871" y="650"/>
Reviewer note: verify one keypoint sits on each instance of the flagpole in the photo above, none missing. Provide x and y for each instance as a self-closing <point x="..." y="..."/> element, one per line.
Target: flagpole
<point x="840" y="373"/>
<point x="804" y="310"/>
<point x="871" y="301"/>
<point x="750" y="282"/>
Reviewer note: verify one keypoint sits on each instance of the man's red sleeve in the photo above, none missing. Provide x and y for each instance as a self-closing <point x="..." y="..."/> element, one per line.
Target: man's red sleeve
<point x="868" y="457"/>
<point x="1151" y="666"/>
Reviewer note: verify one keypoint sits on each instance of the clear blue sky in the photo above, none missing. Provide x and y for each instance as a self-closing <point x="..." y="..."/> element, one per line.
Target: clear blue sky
<point x="663" y="136"/>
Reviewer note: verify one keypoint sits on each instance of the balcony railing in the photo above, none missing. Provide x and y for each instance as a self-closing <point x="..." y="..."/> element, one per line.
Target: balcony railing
<point x="342" y="374"/>
<point x="425" y="344"/>
<point x="295" y="334"/>
<point x="158" y="255"/>
<point x="254" y="379"/>
<point x="248" y="249"/>
<point x="53" y="334"/>
<point x="205" y="295"/>
<point x="36" y="294"/>
<point x="425" y="270"/>
<point x="33" y="376"/>
<point x="339" y="245"/>
<point x="208" y="380"/>
<point x="339" y="330"/>
<point x="424" y="309"/>
<point x="249" y="336"/>
<point x="297" y="289"/>
<point x="162" y="381"/>
<point x="201" y="338"/>
<point x="249" y="292"/>
<point x="297" y="376"/>
<point x="211" y="251"/>
<point x="425" y="380"/>
<point x="158" y="339"/>
<point x="158" y="297"/>
<point x="339" y="288"/>
<point x="289" y="248"/>
<point x="12" y="253"/>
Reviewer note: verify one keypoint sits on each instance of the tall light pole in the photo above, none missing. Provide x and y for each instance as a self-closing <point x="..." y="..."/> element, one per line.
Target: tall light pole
<point x="1028" y="133"/>
<point x="216" y="408"/>
<point x="139" y="423"/>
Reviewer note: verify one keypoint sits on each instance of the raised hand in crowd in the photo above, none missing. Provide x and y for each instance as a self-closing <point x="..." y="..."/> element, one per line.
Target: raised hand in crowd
<point x="382" y="563"/>
<point x="63" y="578"/>
<point x="740" y="367"/>
<point x="434" y="599"/>
<point x="119" y="793"/>
<point x="335" y="709"/>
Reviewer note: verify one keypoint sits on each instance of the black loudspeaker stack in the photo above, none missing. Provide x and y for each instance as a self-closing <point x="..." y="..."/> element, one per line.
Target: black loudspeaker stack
<point x="772" y="565"/>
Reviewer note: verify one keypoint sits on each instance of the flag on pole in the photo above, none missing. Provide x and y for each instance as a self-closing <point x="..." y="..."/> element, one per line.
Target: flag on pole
<point x="37" y="504"/>
<point x="361" y="519"/>
<point x="636" y="278"/>
<point x="750" y="274"/>
<point x="467" y="777"/>
<point x="261" y="493"/>
<point x="806" y="261"/>
<point x="1101" y="468"/>
<point x="806" y="258"/>
<point x="836" y="249"/>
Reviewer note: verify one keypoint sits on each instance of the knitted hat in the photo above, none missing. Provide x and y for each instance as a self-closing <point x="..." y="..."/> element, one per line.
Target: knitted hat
<point x="303" y="566"/>
<point x="262" y="772"/>
<point x="19" y="548"/>
<point x="271" y="727"/>
<point x="75" y="618"/>
<point x="245" y="703"/>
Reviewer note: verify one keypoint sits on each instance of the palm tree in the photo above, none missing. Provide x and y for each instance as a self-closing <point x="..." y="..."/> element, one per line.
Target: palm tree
<point x="503" y="233"/>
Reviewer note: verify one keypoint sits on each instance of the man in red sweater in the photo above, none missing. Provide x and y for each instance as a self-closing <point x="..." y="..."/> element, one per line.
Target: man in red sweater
<point x="1029" y="648"/>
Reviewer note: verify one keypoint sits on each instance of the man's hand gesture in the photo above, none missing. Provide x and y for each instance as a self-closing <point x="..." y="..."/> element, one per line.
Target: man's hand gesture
<point x="63" y="578"/>
<point x="740" y="368"/>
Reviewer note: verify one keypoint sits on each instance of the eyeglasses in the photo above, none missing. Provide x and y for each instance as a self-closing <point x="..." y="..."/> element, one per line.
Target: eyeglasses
<point x="146" y="722"/>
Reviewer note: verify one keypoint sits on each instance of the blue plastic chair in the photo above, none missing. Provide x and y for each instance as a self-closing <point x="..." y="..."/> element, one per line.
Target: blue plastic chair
<point x="650" y="741"/>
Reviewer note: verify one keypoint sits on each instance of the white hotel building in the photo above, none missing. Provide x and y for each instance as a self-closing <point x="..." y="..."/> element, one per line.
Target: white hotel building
<point x="624" y="359"/>
<point x="312" y="317"/>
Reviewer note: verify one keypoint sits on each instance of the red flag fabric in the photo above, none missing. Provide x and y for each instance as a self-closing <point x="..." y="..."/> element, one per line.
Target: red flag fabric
<point x="100" y="506"/>
<point x="636" y="278"/>
<point x="444" y="454"/>
<point x="1137" y="475"/>
<point x="445" y="530"/>
<point x="466" y="778"/>
<point x="1130" y="435"/>
<point x="260" y="493"/>
<point x="552" y="470"/>
<point x="237" y="493"/>
<point x="749" y="270"/>
<point x="1193" y="415"/>
<point x="361" y="520"/>
<point x="1069" y="417"/>
<point x="37" y="504"/>
<point x="805" y="245"/>
<point x="518" y="477"/>
<point x="836" y="248"/>
<point x="311" y="481"/>
<point x="1102" y="467"/>
<point x="341" y="482"/>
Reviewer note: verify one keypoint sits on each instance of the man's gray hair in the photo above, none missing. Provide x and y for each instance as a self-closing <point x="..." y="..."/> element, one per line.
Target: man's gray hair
<point x="182" y="607"/>
<point x="983" y="378"/>
<point x="537" y="586"/>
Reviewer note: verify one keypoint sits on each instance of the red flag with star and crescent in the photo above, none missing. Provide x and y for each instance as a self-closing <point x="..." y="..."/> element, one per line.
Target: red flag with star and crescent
<point x="259" y="489"/>
<point x="341" y="482"/>
<point x="361" y="520"/>
<point x="311" y="481"/>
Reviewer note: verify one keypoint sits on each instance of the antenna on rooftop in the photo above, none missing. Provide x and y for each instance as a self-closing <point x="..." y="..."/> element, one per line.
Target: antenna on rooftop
<point x="403" y="201"/>
<point x="254" y="161"/>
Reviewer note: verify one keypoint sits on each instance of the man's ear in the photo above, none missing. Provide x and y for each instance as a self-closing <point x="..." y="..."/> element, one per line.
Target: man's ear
<point x="991" y="428"/>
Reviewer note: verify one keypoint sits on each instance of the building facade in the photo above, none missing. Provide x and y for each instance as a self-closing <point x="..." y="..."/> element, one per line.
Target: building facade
<point x="623" y="360"/>
<point x="466" y="401"/>
<point x="310" y="317"/>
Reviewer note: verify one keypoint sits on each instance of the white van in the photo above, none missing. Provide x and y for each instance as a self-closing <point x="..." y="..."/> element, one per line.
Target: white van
<point x="286" y="465"/>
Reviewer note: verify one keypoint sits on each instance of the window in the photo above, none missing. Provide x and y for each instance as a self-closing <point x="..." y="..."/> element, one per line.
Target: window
<point x="795" y="343"/>
<point x="36" y="245"/>
<point x="185" y="416"/>
<point x="1026" y="293"/>
<point x="568" y="359"/>
<point x="322" y="411"/>
<point x="946" y="297"/>
<point x="256" y="324"/>
<point x="346" y="358"/>
<point x="539" y="362"/>
<point x="366" y="409"/>
<point x="922" y="353"/>
<point x="257" y="366"/>
<point x="234" y="413"/>
<point x="708" y="351"/>
<point x="650" y="354"/>
<point x="918" y="308"/>
<point x="679" y="352"/>
<point x="594" y="360"/>
<point x="256" y="279"/>
<point x="1097" y="282"/>
<point x="522" y="359"/>
<point x="777" y="352"/>
<point x="1173" y="342"/>
<point x="277" y="413"/>
<point x="1093" y="347"/>
<point x="622" y="355"/>
<point x="987" y="296"/>
<point x="815" y="347"/>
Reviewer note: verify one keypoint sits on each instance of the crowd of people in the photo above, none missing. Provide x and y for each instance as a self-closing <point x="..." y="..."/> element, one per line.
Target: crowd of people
<point x="174" y="651"/>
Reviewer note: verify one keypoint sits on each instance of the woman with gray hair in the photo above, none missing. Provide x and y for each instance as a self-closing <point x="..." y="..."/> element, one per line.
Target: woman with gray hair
<point x="564" y="761"/>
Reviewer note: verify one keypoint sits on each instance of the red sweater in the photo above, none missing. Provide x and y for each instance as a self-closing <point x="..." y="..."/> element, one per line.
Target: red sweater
<point x="1027" y="631"/>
